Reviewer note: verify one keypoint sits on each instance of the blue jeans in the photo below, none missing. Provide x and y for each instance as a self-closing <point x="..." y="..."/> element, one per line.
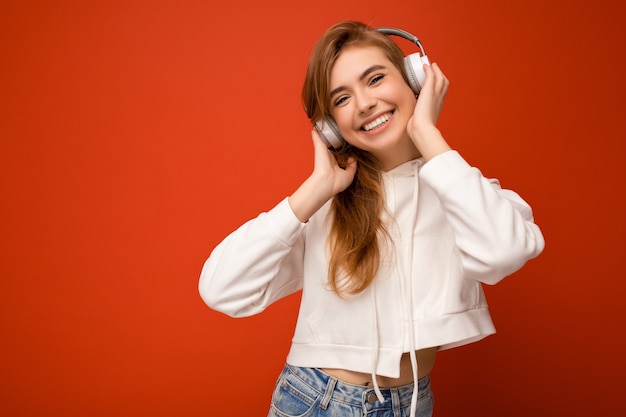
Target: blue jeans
<point x="309" y="392"/>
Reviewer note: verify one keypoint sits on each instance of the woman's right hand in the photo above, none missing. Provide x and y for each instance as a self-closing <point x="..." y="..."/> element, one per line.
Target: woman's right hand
<point x="332" y="178"/>
<point x="327" y="179"/>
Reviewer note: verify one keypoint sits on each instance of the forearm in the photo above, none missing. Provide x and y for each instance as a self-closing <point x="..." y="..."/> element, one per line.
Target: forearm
<point x="494" y="228"/>
<point x="307" y="199"/>
<point x="256" y="264"/>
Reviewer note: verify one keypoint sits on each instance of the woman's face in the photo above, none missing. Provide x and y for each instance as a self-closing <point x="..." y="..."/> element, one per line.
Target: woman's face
<point x="371" y="104"/>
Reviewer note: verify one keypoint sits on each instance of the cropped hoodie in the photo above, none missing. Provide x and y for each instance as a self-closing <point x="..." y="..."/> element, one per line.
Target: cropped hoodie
<point x="451" y="230"/>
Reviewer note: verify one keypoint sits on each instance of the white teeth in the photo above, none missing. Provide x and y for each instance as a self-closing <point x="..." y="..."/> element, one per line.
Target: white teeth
<point x="379" y="121"/>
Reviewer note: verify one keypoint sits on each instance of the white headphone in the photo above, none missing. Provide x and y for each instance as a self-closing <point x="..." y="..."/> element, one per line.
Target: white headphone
<point x="414" y="68"/>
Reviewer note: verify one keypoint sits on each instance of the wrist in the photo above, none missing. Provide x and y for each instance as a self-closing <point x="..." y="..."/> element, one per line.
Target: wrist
<point x="429" y="141"/>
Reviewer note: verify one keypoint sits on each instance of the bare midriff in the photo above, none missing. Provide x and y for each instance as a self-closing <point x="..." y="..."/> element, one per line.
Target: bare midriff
<point x="425" y="363"/>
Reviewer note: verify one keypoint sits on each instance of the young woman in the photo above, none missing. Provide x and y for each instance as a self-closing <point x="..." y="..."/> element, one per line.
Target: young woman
<point x="390" y="239"/>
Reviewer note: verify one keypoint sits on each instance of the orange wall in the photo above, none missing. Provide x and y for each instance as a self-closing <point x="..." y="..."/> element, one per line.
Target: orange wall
<point x="134" y="135"/>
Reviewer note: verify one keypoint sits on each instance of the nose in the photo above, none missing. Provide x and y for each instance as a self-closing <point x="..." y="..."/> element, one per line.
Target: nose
<point x="365" y="101"/>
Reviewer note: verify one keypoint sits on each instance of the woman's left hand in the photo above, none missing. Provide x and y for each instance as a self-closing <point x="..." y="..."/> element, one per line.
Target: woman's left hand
<point x="421" y="126"/>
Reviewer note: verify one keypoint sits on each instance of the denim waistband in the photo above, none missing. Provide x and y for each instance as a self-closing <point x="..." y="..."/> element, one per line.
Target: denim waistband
<point x="356" y="395"/>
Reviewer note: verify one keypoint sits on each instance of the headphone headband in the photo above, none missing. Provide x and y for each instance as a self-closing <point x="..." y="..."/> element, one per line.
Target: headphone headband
<point x="403" y="34"/>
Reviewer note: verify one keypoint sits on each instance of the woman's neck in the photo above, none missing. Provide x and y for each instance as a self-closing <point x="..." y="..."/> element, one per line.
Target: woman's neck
<point x="398" y="155"/>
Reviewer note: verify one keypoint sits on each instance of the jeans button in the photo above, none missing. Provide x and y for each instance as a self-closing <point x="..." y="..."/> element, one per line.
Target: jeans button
<point x="371" y="397"/>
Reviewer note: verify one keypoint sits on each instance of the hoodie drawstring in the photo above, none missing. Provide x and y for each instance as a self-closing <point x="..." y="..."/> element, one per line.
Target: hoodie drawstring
<point x="407" y="307"/>
<point x="375" y="346"/>
<point x="414" y="365"/>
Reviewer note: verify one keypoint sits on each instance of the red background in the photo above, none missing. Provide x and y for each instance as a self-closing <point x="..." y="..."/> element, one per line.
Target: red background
<point x="136" y="134"/>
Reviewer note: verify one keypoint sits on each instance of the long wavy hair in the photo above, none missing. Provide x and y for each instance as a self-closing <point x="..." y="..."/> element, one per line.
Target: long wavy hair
<point x="354" y="242"/>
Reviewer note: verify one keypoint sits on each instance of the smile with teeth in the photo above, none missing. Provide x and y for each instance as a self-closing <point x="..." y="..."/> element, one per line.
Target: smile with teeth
<point x="378" y="122"/>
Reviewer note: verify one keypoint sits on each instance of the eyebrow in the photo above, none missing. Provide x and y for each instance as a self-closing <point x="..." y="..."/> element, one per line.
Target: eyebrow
<point x="361" y="77"/>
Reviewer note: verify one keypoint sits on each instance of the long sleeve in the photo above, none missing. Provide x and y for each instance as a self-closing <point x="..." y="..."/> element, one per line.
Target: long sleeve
<point x="257" y="264"/>
<point x="494" y="228"/>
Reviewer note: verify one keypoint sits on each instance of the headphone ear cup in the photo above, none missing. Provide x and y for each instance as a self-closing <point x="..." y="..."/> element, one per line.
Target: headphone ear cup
<point x="414" y="67"/>
<point x="329" y="133"/>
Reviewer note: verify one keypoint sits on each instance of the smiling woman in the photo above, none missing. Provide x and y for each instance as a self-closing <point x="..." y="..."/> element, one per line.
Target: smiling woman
<point x="368" y="90"/>
<point x="133" y="139"/>
<point x="390" y="239"/>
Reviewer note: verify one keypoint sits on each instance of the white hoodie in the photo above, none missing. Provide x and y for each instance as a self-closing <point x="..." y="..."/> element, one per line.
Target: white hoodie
<point x="452" y="229"/>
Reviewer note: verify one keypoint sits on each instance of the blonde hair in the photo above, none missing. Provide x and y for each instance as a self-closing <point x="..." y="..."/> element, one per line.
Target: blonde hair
<point x="356" y="213"/>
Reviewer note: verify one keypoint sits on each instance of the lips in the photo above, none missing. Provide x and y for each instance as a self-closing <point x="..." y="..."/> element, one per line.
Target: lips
<point x="379" y="121"/>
